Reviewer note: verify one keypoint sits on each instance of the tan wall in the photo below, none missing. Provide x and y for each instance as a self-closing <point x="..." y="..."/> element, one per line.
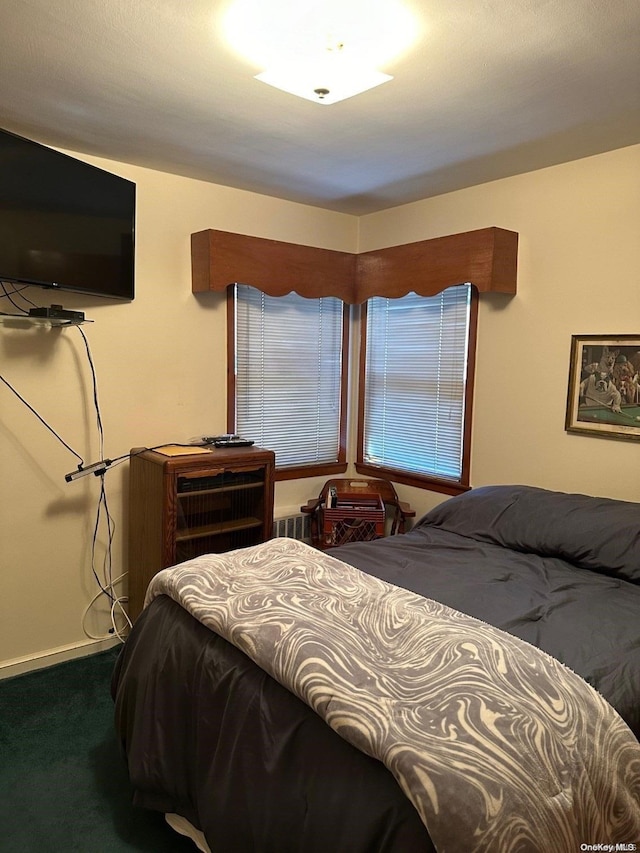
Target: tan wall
<point x="160" y="363"/>
<point x="161" y="368"/>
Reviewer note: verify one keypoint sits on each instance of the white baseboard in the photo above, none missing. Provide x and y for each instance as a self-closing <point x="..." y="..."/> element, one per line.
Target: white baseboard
<point x="30" y="663"/>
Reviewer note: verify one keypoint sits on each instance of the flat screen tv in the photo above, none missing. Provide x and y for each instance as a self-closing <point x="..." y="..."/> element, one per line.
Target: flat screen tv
<point x="64" y="224"/>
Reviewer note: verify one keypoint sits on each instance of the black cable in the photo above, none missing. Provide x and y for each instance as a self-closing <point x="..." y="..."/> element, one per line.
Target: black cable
<point x="42" y="420"/>
<point x="118" y="459"/>
<point x="103" y="504"/>
<point x="95" y="392"/>
<point x="17" y="291"/>
<point x="107" y="587"/>
<point x="103" y="514"/>
<point x="8" y="296"/>
<point x="23" y="311"/>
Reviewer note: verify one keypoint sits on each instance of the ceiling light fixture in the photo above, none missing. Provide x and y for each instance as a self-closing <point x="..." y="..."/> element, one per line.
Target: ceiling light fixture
<point x="322" y="51"/>
<point x="325" y="78"/>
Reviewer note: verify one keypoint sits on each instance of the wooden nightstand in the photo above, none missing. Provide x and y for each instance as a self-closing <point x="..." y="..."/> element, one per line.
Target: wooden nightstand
<point x="184" y="502"/>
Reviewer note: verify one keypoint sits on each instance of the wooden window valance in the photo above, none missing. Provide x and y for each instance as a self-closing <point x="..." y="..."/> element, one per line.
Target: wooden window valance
<point x="486" y="258"/>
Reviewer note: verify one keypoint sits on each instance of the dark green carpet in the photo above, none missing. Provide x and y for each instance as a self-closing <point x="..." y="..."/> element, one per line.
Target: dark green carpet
<point x="63" y="780"/>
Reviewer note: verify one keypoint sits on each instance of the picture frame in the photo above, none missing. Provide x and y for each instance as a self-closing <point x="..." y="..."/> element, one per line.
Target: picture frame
<point x="604" y="386"/>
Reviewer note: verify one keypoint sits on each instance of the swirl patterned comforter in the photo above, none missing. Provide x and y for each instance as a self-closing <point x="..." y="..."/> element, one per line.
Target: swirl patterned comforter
<point x="497" y="745"/>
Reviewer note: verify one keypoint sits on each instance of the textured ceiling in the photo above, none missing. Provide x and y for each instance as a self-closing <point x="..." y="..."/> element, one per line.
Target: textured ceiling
<point x="491" y="88"/>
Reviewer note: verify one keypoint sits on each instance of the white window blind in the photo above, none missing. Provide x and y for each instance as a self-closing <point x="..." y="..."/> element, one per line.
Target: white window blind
<point x="288" y="362"/>
<point x="415" y="380"/>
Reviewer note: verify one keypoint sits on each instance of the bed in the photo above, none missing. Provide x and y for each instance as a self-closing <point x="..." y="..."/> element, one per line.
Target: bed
<point x="473" y="684"/>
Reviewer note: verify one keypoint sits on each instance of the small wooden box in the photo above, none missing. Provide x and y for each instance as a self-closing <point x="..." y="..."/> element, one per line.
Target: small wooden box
<point x="356" y="517"/>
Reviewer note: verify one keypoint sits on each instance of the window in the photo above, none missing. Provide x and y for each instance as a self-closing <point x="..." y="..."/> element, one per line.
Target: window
<point x="417" y="357"/>
<point x="288" y="388"/>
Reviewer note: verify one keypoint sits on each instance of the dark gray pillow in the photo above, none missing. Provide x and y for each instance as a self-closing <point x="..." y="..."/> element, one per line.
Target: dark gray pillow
<point x="600" y="534"/>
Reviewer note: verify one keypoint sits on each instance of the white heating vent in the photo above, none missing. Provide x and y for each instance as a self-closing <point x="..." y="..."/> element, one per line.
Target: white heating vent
<point x="292" y="526"/>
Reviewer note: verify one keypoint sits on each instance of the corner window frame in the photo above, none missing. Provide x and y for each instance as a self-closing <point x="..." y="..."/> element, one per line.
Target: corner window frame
<point x="428" y="481"/>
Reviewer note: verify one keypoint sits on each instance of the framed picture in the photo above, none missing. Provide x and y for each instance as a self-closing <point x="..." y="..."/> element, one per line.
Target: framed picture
<point x="604" y="386"/>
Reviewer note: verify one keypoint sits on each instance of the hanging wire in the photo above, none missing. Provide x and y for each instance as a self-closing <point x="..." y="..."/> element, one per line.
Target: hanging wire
<point x="16" y="291"/>
<point x="104" y="519"/>
<point x="41" y="419"/>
